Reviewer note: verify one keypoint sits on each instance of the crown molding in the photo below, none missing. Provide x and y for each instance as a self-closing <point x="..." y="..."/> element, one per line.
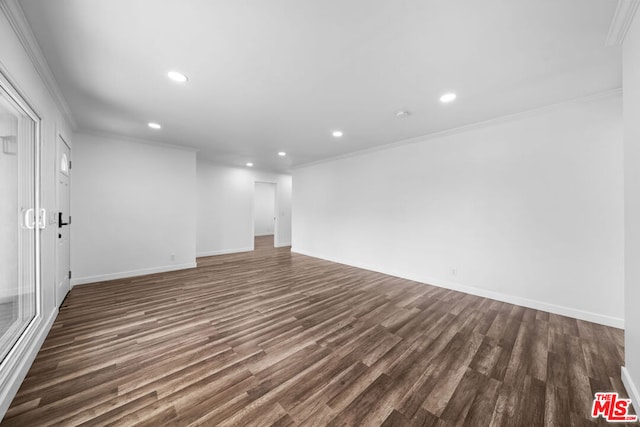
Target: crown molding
<point x="112" y="135"/>
<point x="470" y="127"/>
<point x="16" y="17"/>
<point x="621" y="21"/>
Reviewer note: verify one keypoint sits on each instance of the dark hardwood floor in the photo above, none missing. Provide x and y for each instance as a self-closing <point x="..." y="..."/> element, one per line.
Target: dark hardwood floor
<point x="274" y="338"/>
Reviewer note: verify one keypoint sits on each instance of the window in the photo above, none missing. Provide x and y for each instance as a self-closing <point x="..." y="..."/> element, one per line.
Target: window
<point x="64" y="164"/>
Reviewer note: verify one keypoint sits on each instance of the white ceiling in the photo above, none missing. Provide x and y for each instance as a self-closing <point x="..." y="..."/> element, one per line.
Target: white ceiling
<point x="275" y="75"/>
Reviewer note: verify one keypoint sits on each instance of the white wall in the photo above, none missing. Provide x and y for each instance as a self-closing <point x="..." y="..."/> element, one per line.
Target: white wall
<point x="17" y="66"/>
<point x="527" y="210"/>
<point x="132" y="207"/>
<point x="225" y="208"/>
<point x="264" y="209"/>
<point x="631" y="71"/>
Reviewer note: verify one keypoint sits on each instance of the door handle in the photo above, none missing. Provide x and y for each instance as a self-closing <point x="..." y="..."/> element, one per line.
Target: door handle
<point x="60" y="222"/>
<point x="29" y="219"/>
<point x="42" y="219"/>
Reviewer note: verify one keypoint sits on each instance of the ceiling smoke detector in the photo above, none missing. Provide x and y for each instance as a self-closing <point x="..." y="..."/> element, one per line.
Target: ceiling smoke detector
<point x="402" y="114"/>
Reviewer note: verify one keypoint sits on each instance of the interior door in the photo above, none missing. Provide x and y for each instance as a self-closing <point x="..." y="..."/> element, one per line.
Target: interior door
<point x="63" y="249"/>
<point x="264" y="206"/>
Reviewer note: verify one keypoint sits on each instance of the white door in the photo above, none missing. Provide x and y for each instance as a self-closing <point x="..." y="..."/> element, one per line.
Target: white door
<point x="20" y="219"/>
<point x="63" y="219"/>
<point x="264" y="209"/>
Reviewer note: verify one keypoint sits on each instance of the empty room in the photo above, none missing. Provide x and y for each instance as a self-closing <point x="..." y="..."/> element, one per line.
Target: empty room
<point x="344" y="213"/>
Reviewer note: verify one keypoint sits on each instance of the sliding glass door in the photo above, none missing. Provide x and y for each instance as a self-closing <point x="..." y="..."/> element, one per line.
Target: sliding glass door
<point x="20" y="219"/>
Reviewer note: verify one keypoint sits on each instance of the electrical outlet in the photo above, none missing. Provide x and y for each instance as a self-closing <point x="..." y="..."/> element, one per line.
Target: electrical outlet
<point x="173" y="257"/>
<point x="454" y="272"/>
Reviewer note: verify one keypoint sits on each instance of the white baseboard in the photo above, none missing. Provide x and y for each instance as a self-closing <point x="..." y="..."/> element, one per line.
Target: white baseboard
<point x="265" y="234"/>
<point x="602" y="319"/>
<point x="282" y="244"/>
<point x="133" y="273"/>
<point x="21" y="368"/>
<point x="632" y="390"/>
<point x="224" y="251"/>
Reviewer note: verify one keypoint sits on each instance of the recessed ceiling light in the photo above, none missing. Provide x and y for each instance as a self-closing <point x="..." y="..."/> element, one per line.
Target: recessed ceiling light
<point x="249" y="164"/>
<point x="177" y="77"/>
<point x="402" y="114"/>
<point x="282" y="154"/>
<point x="337" y="133"/>
<point x="153" y="125"/>
<point x="448" y="97"/>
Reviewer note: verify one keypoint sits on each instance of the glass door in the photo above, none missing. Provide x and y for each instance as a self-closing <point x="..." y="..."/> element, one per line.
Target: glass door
<point x="20" y="219"/>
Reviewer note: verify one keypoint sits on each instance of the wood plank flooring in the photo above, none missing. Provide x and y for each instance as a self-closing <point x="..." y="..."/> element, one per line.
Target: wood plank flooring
<point x="274" y="338"/>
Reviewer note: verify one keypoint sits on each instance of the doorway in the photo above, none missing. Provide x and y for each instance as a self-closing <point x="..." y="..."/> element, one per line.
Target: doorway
<point x="264" y="215"/>
<point x="63" y="219"/>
